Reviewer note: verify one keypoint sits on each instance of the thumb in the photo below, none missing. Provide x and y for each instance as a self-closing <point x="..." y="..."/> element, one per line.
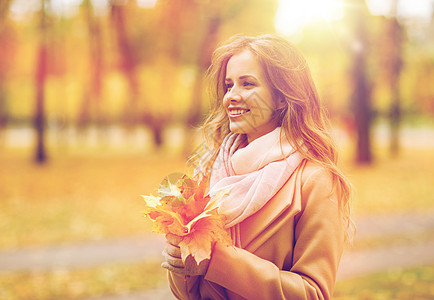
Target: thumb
<point x="174" y="239"/>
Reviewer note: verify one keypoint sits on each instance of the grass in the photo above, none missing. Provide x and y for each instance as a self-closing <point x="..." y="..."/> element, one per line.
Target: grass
<point x="79" y="284"/>
<point x="412" y="284"/>
<point x="392" y="185"/>
<point x="390" y="240"/>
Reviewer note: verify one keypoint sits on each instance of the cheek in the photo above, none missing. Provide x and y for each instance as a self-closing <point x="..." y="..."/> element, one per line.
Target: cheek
<point x="263" y="102"/>
<point x="225" y="101"/>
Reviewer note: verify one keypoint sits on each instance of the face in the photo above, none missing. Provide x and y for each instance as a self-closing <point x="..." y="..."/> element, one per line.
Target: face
<point x="249" y="101"/>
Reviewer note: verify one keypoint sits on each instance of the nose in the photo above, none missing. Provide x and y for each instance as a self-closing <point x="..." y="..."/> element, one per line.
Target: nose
<point x="233" y="95"/>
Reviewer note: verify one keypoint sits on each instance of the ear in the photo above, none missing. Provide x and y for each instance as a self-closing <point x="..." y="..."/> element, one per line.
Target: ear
<point x="281" y="103"/>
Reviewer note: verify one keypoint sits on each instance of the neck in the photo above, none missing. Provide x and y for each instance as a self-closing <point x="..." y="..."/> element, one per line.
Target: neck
<point x="254" y="135"/>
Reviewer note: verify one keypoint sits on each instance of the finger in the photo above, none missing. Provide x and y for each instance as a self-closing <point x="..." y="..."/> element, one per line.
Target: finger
<point x="174" y="261"/>
<point x="174" y="239"/>
<point x="173" y="269"/>
<point x="174" y="251"/>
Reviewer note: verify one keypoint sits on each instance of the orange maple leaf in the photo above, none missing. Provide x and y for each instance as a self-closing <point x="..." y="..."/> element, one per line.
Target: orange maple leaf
<point x="199" y="241"/>
<point x="193" y="216"/>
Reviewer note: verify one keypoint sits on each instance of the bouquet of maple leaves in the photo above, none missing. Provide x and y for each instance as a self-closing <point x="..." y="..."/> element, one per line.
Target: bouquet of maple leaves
<point x="182" y="208"/>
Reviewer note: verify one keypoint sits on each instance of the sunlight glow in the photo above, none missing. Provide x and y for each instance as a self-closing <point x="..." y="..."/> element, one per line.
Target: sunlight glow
<point x="292" y="15"/>
<point x="146" y="3"/>
<point x="20" y="9"/>
<point x="421" y="9"/>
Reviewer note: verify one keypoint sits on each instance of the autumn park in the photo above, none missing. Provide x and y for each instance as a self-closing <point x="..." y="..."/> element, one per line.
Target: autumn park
<point x="100" y="100"/>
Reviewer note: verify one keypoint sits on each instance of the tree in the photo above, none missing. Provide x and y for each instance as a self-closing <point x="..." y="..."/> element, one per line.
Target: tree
<point x="40" y="76"/>
<point x="91" y="106"/>
<point x="127" y="59"/>
<point x="6" y="53"/>
<point x="393" y="66"/>
<point x="361" y="98"/>
<point x="170" y="20"/>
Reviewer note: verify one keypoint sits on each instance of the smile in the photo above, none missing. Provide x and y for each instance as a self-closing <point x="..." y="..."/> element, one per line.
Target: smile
<point x="238" y="112"/>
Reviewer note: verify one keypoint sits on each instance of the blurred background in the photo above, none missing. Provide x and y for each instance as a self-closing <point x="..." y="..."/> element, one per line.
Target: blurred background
<point x="99" y="100"/>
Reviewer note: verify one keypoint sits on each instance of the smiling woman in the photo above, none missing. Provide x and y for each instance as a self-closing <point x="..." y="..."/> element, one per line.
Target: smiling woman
<point x="269" y="154"/>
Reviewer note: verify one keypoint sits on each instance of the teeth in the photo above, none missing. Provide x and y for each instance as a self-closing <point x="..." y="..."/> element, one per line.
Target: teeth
<point x="238" y="111"/>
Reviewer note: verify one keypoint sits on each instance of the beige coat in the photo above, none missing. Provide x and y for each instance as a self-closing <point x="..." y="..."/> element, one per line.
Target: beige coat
<point x="290" y="249"/>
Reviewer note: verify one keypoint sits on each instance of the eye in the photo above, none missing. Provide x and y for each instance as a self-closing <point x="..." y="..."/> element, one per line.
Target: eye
<point x="248" y="83"/>
<point x="229" y="86"/>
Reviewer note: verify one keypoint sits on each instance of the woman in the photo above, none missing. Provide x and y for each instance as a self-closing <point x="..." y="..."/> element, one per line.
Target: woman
<point x="287" y="209"/>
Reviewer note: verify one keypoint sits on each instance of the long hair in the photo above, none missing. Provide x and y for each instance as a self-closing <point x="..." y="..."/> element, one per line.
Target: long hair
<point x="302" y="118"/>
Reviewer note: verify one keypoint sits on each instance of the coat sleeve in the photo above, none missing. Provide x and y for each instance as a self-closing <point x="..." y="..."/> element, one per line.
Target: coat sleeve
<point x="319" y="240"/>
<point x="184" y="287"/>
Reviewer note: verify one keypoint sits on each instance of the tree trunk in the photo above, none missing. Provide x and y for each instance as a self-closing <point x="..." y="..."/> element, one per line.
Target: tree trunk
<point x="127" y="61"/>
<point x="3" y="110"/>
<point x="157" y="132"/>
<point x="395" y="121"/>
<point x="5" y="60"/>
<point x="393" y="69"/>
<point x="41" y="66"/>
<point x="90" y="111"/>
<point x="362" y="90"/>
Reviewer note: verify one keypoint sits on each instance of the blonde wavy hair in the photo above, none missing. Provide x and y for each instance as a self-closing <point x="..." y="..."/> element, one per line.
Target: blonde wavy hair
<point x="303" y="119"/>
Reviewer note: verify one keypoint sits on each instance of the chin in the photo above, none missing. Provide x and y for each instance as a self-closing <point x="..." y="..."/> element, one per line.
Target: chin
<point x="237" y="129"/>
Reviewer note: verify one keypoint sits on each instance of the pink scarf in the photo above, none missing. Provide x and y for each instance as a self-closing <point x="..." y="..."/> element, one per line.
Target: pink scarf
<point x="251" y="173"/>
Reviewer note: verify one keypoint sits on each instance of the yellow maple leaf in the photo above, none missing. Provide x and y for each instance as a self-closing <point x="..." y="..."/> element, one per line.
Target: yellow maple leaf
<point x="151" y="200"/>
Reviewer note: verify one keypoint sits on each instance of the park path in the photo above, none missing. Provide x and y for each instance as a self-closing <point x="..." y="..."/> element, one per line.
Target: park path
<point x="406" y="250"/>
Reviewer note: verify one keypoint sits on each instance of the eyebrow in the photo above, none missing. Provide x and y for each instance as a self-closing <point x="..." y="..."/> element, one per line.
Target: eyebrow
<point x="242" y="77"/>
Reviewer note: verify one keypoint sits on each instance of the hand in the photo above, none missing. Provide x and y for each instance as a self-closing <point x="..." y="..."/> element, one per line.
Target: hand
<point x="173" y="263"/>
<point x="172" y="254"/>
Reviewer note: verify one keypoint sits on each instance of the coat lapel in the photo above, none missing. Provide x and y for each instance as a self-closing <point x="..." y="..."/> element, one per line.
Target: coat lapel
<point x="259" y="227"/>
